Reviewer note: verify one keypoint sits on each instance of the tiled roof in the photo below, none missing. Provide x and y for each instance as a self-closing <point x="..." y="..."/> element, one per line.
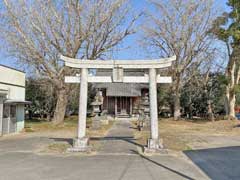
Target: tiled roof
<point x="122" y="89"/>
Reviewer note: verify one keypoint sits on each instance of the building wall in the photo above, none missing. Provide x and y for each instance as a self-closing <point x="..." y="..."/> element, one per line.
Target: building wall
<point x="13" y="83"/>
<point x="1" y="114"/>
<point x="109" y="102"/>
<point x="13" y="92"/>
<point x="12" y="76"/>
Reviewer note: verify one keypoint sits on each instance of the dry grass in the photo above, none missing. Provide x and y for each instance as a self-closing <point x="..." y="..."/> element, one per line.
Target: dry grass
<point x="57" y="148"/>
<point x="178" y="135"/>
<point x="69" y="125"/>
<point x="221" y="127"/>
<point x="45" y="126"/>
<point x="66" y="130"/>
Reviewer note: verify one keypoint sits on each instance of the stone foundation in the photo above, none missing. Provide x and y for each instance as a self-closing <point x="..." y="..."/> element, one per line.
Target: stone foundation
<point x="96" y="123"/>
<point x="104" y="121"/>
<point x="154" y="146"/>
<point x="80" y="145"/>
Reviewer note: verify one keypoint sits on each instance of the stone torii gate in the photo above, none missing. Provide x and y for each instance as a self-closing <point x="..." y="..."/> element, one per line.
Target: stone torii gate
<point x="81" y="142"/>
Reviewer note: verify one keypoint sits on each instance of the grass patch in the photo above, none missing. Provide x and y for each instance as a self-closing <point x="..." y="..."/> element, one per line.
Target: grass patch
<point x="70" y="123"/>
<point x="177" y="135"/>
<point x="66" y="130"/>
<point x="57" y="148"/>
<point x="29" y="129"/>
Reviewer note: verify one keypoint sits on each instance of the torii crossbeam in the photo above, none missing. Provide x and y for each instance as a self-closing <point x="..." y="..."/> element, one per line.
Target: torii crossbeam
<point x="152" y="78"/>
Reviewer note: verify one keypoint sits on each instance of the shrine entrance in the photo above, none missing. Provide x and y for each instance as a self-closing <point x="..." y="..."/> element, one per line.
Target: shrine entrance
<point x="122" y="105"/>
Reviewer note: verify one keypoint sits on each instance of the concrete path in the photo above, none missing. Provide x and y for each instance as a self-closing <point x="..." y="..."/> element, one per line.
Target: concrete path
<point x="119" y="140"/>
<point x="118" y="160"/>
<point x="29" y="166"/>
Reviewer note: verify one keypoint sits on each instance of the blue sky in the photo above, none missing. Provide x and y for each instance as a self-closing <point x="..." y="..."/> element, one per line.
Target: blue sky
<point x="130" y="48"/>
<point x="135" y="52"/>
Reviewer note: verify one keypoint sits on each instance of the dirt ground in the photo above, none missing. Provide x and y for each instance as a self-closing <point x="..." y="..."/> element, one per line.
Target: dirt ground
<point x="67" y="130"/>
<point x="190" y="134"/>
<point x="176" y="135"/>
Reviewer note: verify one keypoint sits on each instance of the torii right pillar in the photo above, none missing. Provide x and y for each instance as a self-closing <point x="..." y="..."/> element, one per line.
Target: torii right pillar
<point x="154" y="143"/>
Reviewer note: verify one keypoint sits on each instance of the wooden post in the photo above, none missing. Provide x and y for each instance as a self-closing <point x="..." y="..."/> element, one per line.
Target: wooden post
<point x="107" y="102"/>
<point x="115" y="106"/>
<point x="131" y="106"/>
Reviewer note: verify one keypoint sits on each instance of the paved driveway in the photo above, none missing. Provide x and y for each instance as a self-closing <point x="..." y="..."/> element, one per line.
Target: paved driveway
<point x="19" y="160"/>
<point x="218" y="163"/>
<point x="29" y="166"/>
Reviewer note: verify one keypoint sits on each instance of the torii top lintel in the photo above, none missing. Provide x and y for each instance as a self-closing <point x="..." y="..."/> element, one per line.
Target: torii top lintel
<point x="125" y="64"/>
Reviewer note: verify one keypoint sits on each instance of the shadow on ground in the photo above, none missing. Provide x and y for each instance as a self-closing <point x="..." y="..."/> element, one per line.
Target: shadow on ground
<point x="131" y="140"/>
<point x="163" y="166"/>
<point x="127" y="139"/>
<point x="67" y="140"/>
<point x="218" y="163"/>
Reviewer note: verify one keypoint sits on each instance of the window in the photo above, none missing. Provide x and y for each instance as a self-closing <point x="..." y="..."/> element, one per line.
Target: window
<point x="6" y="109"/>
<point x="13" y="111"/>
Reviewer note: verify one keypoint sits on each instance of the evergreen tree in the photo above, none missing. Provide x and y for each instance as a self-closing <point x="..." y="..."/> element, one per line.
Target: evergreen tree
<point x="227" y="29"/>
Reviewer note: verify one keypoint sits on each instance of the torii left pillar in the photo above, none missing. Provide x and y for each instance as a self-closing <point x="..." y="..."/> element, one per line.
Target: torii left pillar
<point x="80" y="143"/>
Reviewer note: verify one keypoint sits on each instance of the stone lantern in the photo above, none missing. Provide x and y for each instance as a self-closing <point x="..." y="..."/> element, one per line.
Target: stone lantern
<point x="144" y="111"/>
<point x="96" y="111"/>
<point x="145" y="105"/>
<point x="96" y="108"/>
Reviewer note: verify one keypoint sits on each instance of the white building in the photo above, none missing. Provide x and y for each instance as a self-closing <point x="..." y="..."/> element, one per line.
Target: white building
<point x="12" y="100"/>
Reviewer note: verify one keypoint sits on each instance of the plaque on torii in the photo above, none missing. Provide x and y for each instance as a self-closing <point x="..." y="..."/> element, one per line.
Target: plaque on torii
<point x="118" y="66"/>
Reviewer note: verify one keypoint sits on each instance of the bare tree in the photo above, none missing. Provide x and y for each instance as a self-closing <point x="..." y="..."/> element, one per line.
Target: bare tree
<point x="36" y="32"/>
<point x="180" y="27"/>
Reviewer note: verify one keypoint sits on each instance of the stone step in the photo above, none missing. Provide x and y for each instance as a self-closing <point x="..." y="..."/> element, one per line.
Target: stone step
<point x="122" y="117"/>
<point x="126" y="119"/>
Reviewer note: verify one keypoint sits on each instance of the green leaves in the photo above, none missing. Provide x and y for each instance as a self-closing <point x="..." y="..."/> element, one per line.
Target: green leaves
<point x="227" y="26"/>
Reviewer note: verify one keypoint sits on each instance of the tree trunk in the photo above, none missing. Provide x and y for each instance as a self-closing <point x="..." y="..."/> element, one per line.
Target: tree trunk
<point x="61" y="105"/>
<point x="210" y="111"/>
<point x="231" y="88"/>
<point x="48" y="117"/>
<point x="230" y="103"/>
<point x="176" y="110"/>
<point x="226" y="102"/>
<point x="176" y="98"/>
<point x="232" y="100"/>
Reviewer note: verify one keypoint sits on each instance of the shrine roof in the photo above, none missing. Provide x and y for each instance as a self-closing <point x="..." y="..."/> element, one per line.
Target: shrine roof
<point x="121" y="89"/>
